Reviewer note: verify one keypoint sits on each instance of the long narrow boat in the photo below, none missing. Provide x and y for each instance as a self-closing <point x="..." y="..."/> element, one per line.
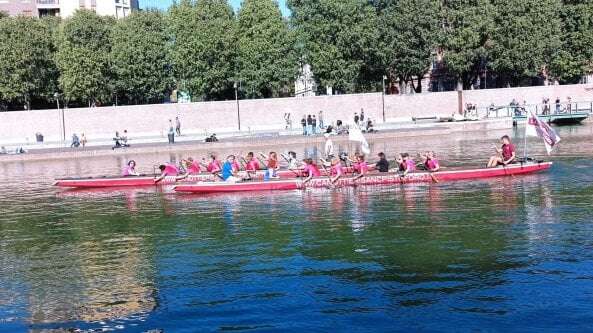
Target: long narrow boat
<point x="372" y="179"/>
<point x="142" y="181"/>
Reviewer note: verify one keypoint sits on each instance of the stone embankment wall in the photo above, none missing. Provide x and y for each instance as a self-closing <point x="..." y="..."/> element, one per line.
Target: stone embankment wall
<point x="262" y="114"/>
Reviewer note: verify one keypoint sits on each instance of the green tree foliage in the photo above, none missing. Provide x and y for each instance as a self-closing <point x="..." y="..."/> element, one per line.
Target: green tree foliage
<point x="267" y="61"/>
<point x="409" y="31"/>
<point x="525" y="38"/>
<point x="574" y="57"/>
<point x="26" y="66"/>
<point x="139" y="57"/>
<point x="465" y="29"/>
<point x="83" y="57"/>
<point x="340" y="41"/>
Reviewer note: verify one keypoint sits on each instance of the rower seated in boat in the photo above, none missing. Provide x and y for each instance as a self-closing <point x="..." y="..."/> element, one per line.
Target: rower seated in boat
<point x="251" y="165"/>
<point x="405" y="164"/>
<point x="336" y="169"/>
<point x="383" y="164"/>
<point x="360" y="166"/>
<point x="192" y="167"/>
<point x="293" y="163"/>
<point x="272" y="165"/>
<point x="311" y="169"/>
<point x="167" y="169"/>
<point x="504" y="155"/>
<point x="130" y="169"/>
<point x="213" y="166"/>
<point x="430" y="162"/>
<point x="229" y="171"/>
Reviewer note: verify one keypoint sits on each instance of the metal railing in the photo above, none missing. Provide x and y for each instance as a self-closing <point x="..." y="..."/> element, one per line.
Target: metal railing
<point x="544" y="109"/>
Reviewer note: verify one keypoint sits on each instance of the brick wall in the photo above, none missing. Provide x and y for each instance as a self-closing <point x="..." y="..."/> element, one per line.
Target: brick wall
<point x="218" y="117"/>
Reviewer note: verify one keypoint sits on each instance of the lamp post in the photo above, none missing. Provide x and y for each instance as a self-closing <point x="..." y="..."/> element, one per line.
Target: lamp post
<point x="237" y="100"/>
<point x="57" y="97"/>
<point x="383" y="96"/>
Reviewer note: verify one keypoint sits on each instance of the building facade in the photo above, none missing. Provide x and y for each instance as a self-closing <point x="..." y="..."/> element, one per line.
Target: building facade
<point x="305" y="84"/>
<point x="66" y="8"/>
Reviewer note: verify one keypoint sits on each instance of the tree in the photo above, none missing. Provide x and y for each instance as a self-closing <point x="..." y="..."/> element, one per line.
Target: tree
<point x="340" y="42"/>
<point x="25" y="60"/>
<point x="409" y="30"/>
<point x="464" y="38"/>
<point x="139" y="57"/>
<point x="83" y="57"/>
<point x="266" y="59"/>
<point x="574" y="56"/>
<point x="204" y="50"/>
<point x="526" y="35"/>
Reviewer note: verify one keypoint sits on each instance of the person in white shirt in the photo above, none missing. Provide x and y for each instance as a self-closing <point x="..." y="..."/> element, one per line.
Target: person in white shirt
<point x="329" y="145"/>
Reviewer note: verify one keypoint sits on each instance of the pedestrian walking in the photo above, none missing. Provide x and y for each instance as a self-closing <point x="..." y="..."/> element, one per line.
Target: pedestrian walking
<point x="177" y="126"/>
<point x="83" y="140"/>
<point x="304" y="124"/>
<point x="314" y="125"/>
<point x="171" y="133"/>
<point x="320" y="120"/>
<point x="361" y="116"/>
<point x="356" y="118"/>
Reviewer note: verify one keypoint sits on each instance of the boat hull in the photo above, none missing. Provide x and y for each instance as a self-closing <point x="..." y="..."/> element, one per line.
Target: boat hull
<point x="143" y="181"/>
<point x="372" y="179"/>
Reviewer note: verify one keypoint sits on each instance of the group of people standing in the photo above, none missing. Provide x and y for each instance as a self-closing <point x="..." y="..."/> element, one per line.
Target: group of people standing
<point x="312" y="124"/>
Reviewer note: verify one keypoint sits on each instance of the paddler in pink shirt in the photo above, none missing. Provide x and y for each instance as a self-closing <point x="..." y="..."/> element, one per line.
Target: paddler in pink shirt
<point x="430" y="162"/>
<point x="193" y="168"/>
<point x="130" y="169"/>
<point x="251" y="165"/>
<point x="214" y="166"/>
<point x="360" y="166"/>
<point x="336" y="171"/>
<point x="311" y="169"/>
<point x="407" y="164"/>
<point x="167" y="169"/>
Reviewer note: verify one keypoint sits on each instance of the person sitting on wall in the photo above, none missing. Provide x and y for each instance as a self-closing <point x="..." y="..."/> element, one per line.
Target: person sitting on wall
<point x="75" y="141"/>
<point x="212" y="138"/>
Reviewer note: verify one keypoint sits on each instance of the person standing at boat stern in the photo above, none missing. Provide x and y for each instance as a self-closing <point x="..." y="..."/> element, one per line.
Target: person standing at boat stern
<point x="329" y="146"/>
<point x="504" y="155"/>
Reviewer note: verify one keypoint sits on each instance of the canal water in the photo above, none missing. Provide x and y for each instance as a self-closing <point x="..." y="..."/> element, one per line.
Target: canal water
<point x="503" y="254"/>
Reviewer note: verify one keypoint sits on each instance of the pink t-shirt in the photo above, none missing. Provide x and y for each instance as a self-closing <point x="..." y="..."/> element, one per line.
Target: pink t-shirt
<point x="194" y="168"/>
<point x="507" y="151"/>
<point x="214" y="166"/>
<point x="127" y="171"/>
<point x="170" y="170"/>
<point x="236" y="166"/>
<point x="432" y="164"/>
<point x="337" y="170"/>
<point x="362" y="168"/>
<point x="312" y="169"/>
<point x="252" y="165"/>
<point x="410" y="165"/>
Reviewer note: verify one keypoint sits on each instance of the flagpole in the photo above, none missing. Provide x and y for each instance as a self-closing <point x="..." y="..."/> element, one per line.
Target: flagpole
<point x="525" y="141"/>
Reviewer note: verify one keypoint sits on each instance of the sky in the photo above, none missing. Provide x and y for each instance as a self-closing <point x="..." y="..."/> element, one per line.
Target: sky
<point x="164" y="4"/>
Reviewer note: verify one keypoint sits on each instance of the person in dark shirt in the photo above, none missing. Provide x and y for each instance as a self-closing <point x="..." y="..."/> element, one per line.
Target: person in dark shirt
<point x="383" y="164"/>
<point x="304" y="124"/>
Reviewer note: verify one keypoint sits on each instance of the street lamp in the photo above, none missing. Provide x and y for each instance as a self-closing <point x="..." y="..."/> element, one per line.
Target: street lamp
<point x="383" y="96"/>
<point x="237" y="100"/>
<point x="57" y="97"/>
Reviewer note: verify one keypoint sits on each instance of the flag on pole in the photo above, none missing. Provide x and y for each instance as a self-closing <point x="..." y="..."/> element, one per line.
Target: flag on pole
<point x="536" y="127"/>
<point x="355" y="134"/>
